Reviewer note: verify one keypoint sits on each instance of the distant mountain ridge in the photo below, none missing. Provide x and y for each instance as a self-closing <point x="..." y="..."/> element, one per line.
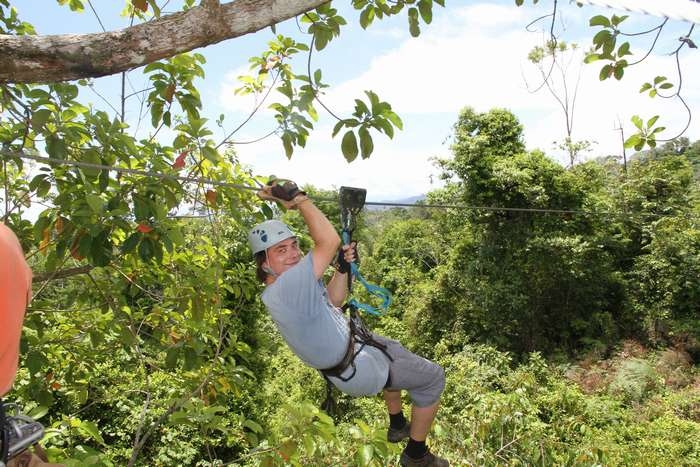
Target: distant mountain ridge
<point x="409" y="200"/>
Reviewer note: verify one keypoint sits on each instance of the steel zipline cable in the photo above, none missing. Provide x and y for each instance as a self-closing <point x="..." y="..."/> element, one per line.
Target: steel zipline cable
<point x="207" y="181"/>
<point x="683" y="10"/>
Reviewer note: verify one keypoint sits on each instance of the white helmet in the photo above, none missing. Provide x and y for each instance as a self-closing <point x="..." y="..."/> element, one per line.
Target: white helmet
<point x="267" y="234"/>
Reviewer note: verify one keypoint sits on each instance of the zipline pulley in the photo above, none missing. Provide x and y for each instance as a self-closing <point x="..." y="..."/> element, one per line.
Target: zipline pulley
<point x="352" y="200"/>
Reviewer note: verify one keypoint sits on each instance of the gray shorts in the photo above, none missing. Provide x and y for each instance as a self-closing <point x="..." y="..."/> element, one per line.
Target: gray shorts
<point x="424" y="380"/>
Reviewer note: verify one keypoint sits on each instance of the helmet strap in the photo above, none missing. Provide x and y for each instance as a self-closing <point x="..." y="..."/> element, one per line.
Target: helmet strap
<point x="267" y="269"/>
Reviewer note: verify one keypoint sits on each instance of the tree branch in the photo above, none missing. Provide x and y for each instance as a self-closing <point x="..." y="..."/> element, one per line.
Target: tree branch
<point x="36" y="59"/>
<point x="46" y="276"/>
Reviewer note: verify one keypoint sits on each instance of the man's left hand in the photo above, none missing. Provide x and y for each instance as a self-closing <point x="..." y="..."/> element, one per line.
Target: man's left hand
<point x="346" y="255"/>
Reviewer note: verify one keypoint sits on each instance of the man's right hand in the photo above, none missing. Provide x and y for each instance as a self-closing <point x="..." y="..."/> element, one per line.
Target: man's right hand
<point x="286" y="193"/>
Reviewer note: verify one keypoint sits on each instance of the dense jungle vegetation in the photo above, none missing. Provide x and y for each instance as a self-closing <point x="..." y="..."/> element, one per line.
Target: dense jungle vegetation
<point x="562" y="301"/>
<point x="569" y="338"/>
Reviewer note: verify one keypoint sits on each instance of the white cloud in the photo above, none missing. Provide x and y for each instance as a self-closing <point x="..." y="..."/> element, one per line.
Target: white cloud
<point x="231" y="102"/>
<point x="392" y="172"/>
<point x="474" y="56"/>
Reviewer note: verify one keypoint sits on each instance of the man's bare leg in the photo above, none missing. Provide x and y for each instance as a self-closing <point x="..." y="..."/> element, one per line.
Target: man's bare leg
<point x="393" y="401"/>
<point x="421" y="420"/>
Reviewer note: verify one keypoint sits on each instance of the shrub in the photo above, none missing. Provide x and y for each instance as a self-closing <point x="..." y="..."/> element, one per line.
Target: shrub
<point x="635" y="381"/>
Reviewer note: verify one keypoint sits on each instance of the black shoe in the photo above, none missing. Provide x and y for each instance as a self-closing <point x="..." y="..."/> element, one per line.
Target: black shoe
<point x="394" y="435"/>
<point x="428" y="460"/>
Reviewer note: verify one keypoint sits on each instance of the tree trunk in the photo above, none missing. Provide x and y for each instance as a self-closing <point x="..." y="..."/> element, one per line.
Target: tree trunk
<point x="39" y="59"/>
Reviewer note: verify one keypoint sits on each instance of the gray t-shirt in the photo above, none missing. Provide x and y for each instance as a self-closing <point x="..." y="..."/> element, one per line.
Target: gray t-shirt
<point x="317" y="332"/>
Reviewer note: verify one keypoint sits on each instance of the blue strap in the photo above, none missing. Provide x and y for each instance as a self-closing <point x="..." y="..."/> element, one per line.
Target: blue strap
<point x="375" y="290"/>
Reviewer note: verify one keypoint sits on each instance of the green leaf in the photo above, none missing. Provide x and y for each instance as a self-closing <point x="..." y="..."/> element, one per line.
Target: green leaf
<point x="385" y="126"/>
<point x="624" y="49"/>
<point x="84" y="245"/>
<point x="91" y="156"/>
<point x="251" y="425"/>
<point x="590" y="58"/>
<point x="395" y="119"/>
<point x="171" y="357"/>
<point x="599" y="20"/>
<point x="351" y="122"/>
<point x="652" y="121"/>
<point x="425" y="8"/>
<point x="338" y="126"/>
<point x="35" y="361"/>
<point x="633" y="140"/>
<point x="601" y="38"/>
<point x="413" y="26"/>
<point x="101" y="249"/>
<point x="267" y="211"/>
<point x="56" y="148"/>
<point x="366" y="143"/>
<point x="37" y="412"/>
<point x="287" y="144"/>
<point x="95" y="202"/>
<point x="309" y="444"/>
<point x="619" y="71"/>
<point x="39" y="119"/>
<point x="349" y="146"/>
<point x="210" y="154"/>
<point x="130" y="243"/>
<point x="322" y="37"/>
<point x="638" y="122"/>
<point x="147" y="249"/>
<point x="364" y="454"/>
<point x="367" y="16"/>
<point x="90" y="428"/>
<point x="36" y="181"/>
<point x="360" y="108"/>
<point x="616" y="20"/>
<point x="175" y="235"/>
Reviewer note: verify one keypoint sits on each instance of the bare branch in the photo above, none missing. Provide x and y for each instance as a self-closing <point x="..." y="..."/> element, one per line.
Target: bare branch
<point x="46" y="276"/>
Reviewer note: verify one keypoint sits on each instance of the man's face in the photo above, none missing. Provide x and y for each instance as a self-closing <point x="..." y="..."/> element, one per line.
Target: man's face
<point x="283" y="255"/>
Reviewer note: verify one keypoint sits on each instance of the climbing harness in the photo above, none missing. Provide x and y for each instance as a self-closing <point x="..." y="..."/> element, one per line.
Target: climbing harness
<point x="351" y="202"/>
<point x="17" y="432"/>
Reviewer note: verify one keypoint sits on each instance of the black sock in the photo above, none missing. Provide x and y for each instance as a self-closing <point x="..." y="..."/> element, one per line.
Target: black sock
<point x="397" y="420"/>
<point x="415" y="449"/>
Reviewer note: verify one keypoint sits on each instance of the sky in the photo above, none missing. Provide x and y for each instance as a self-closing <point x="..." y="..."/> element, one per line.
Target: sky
<point x="473" y="54"/>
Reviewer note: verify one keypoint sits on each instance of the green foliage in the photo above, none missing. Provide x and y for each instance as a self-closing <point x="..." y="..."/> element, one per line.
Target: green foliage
<point x="647" y="133"/>
<point x="495" y="413"/>
<point x="377" y="115"/>
<point x="378" y="9"/>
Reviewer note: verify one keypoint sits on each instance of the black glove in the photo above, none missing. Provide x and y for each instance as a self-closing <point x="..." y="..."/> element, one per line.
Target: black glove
<point x="343" y="266"/>
<point x="286" y="191"/>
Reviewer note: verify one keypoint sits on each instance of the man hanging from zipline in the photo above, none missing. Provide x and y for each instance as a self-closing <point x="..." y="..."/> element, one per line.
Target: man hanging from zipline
<point x="308" y="316"/>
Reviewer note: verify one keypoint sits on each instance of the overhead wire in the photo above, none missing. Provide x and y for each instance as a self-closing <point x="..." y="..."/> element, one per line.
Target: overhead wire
<point x="236" y="186"/>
